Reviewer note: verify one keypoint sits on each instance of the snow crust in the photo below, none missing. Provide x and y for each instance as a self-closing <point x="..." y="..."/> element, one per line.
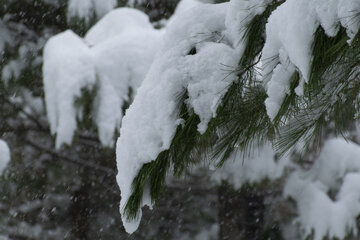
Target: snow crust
<point x="4" y="155"/>
<point x="289" y="37"/>
<point x="198" y="57"/>
<point x="113" y="63"/>
<point x="336" y="171"/>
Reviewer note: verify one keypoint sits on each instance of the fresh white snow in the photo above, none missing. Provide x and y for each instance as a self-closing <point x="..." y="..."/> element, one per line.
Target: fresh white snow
<point x="336" y="170"/>
<point x="4" y="155"/>
<point x="112" y="62"/>
<point x="67" y="69"/>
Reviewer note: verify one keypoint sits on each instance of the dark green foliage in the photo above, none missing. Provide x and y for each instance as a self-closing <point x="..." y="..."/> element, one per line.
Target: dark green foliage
<point x="242" y="122"/>
<point x="85" y="103"/>
<point x="330" y="101"/>
<point x="192" y="51"/>
<point x="255" y="37"/>
<point x="152" y="173"/>
<point x="273" y="233"/>
<point x="80" y="25"/>
<point x="290" y="104"/>
<point x="157" y="9"/>
<point x="220" y="1"/>
<point x="36" y="15"/>
<point x="326" y="51"/>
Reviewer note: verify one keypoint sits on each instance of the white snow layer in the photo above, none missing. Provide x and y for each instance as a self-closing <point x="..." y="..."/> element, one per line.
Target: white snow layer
<point x="289" y="37"/>
<point x="337" y="170"/>
<point x="86" y="9"/>
<point x="67" y="69"/>
<point x="121" y="64"/>
<point x="4" y="155"/>
<point x="116" y="63"/>
<point x="150" y="123"/>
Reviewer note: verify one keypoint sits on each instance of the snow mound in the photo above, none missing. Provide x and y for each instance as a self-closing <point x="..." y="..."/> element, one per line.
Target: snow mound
<point x="4" y="155"/>
<point x="115" y="66"/>
<point x="337" y="170"/>
<point x="116" y="22"/>
<point x="121" y="64"/>
<point x="68" y="68"/>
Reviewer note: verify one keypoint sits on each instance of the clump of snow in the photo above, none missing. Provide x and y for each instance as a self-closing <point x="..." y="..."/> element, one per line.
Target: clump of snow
<point x="80" y="9"/>
<point x="102" y="7"/>
<point x="116" y="22"/>
<point x="261" y="164"/>
<point x="347" y="11"/>
<point x="239" y="15"/>
<point x="195" y="59"/>
<point x="121" y="63"/>
<point x="86" y="9"/>
<point x="289" y="37"/>
<point x="279" y="86"/>
<point x="336" y="170"/>
<point x="67" y="69"/>
<point x="289" y="33"/>
<point x="4" y="155"/>
<point x="115" y="63"/>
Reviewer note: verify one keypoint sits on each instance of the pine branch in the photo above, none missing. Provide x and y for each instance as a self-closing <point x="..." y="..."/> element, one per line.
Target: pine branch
<point x="241" y="119"/>
<point x="330" y="97"/>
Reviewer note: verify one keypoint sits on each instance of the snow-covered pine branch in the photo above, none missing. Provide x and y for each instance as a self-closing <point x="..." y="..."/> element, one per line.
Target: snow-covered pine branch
<point x="190" y="63"/>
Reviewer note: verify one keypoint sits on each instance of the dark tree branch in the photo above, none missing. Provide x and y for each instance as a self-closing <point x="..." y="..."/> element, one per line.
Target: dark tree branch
<point x="77" y="161"/>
